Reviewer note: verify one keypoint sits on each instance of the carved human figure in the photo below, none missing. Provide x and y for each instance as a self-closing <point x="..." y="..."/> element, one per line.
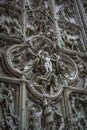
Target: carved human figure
<point x="44" y="55"/>
<point x="29" y="67"/>
<point x="79" y="114"/>
<point x="11" y="100"/>
<point x="66" y="13"/>
<point x="83" y="100"/>
<point x="71" y="40"/>
<point x="82" y="121"/>
<point x="4" y="25"/>
<point x="55" y="80"/>
<point x="73" y="103"/>
<point x="2" y="125"/>
<point x="62" y="68"/>
<point x="22" y="63"/>
<point x="11" y="122"/>
<point x="47" y="62"/>
<point x="58" y="120"/>
<point x="68" y="10"/>
<point x="10" y="26"/>
<point x="9" y="18"/>
<point x="34" y="119"/>
<point x="7" y="106"/>
<point x="7" y="97"/>
<point x="31" y="29"/>
<point x="61" y="15"/>
<point x="38" y="84"/>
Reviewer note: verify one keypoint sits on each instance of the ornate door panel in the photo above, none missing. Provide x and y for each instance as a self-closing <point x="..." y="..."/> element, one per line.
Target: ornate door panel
<point x="43" y="70"/>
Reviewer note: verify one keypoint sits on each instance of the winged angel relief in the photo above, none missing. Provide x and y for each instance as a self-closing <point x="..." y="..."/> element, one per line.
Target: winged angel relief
<point x="41" y="63"/>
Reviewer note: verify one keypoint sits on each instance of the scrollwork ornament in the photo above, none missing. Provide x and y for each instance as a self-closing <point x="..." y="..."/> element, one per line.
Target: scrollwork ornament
<point x="42" y="65"/>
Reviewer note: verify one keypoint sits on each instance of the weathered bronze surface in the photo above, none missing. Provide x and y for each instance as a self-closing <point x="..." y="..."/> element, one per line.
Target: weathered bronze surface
<point x="43" y="65"/>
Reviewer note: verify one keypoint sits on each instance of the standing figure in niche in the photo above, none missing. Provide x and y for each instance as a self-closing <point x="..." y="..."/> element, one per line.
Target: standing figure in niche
<point x="62" y="68"/>
<point x="7" y="98"/>
<point x="58" y="120"/>
<point x="79" y="114"/>
<point x="47" y="62"/>
<point x="82" y="121"/>
<point x="46" y="59"/>
<point x="9" y="121"/>
<point x="55" y="81"/>
<point x="34" y="119"/>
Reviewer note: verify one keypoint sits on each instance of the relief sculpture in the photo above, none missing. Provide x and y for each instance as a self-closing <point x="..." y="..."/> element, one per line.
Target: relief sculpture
<point x="54" y="119"/>
<point x="45" y="67"/>
<point x="70" y="30"/>
<point x="9" y="18"/>
<point x="35" y="115"/>
<point x="9" y="120"/>
<point x="79" y="112"/>
<point x="39" y="19"/>
<point x="43" y="70"/>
